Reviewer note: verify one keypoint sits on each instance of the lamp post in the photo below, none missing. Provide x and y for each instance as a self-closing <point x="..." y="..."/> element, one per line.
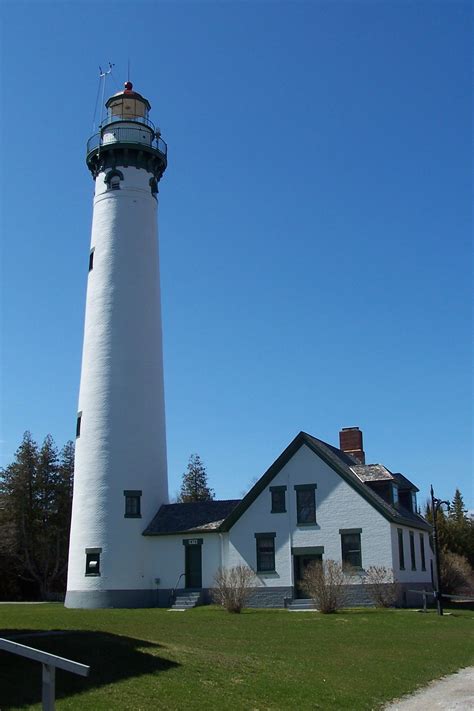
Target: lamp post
<point x="436" y="504"/>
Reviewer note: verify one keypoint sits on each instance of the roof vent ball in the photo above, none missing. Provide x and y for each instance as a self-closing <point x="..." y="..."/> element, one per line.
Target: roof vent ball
<point x="128" y="86"/>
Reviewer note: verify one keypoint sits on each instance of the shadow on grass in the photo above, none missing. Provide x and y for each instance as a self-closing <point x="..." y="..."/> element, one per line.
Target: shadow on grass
<point x="111" y="658"/>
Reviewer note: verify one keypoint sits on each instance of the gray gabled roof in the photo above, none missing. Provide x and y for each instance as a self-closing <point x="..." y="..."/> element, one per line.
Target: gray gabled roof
<point x="341" y="462"/>
<point x="192" y="517"/>
<point x="207" y="516"/>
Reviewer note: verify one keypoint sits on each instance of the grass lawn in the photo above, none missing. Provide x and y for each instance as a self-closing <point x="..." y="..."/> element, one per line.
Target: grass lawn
<point x="207" y="658"/>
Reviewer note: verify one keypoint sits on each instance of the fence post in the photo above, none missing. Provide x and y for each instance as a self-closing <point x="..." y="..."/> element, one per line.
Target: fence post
<point x="49" y="683"/>
<point x="424" y="601"/>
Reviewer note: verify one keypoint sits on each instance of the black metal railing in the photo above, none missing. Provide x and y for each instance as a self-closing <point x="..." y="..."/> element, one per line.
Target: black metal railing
<point x="125" y="134"/>
<point x="173" y="592"/>
<point x="135" y="119"/>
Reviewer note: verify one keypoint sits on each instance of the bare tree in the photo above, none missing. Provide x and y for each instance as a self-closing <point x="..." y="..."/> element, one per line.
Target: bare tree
<point x="233" y="587"/>
<point x="381" y="586"/>
<point x="324" y="582"/>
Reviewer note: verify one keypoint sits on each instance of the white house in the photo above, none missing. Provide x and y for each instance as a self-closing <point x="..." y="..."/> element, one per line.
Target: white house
<point x="314" y="502"/>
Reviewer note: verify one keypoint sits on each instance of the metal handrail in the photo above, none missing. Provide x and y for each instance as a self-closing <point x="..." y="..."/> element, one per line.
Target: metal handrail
<point x="49" y="662"/>
<point x="173" y="592"/>
<point x="127" y="135"/>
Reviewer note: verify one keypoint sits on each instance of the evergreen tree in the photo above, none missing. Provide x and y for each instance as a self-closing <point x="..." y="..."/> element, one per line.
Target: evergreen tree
<point x="194" y="486"/>
<point x="35" y="498"/>
<point x="455" y="529"/>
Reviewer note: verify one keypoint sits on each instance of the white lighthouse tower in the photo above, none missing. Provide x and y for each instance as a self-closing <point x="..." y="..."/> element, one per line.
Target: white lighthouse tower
<point x="120" y="467"/>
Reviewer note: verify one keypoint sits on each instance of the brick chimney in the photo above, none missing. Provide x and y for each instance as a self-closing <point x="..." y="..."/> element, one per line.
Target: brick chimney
<point x="350" y="441"/>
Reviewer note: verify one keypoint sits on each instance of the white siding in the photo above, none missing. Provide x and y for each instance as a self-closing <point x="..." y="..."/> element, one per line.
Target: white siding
<point x="408" y="575"/>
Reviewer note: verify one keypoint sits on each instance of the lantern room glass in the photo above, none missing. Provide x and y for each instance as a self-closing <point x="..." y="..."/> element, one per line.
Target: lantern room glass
<point x="128" y="108"/>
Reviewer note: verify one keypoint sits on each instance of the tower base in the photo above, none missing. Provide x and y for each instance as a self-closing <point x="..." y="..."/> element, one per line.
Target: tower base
<point x="95" y="599"/>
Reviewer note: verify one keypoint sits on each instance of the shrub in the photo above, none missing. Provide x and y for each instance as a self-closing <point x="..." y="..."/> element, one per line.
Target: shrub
<point x="324" y="582"/>
<point x="381" y="586"/>
<point x="457" y="576"/>
<point x="233" y="587"/>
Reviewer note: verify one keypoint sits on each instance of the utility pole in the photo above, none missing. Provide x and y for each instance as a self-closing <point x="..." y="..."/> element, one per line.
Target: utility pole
<point x="436" y="504"/>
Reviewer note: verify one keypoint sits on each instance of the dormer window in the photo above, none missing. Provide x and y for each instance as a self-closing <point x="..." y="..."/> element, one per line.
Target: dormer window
<point x="394" y="494"/>
<point x="413" y="501"/>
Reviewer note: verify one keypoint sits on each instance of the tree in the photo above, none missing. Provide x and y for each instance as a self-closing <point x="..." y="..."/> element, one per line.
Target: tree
<point x="194" y="486"/>
<point x="35" y="511"/>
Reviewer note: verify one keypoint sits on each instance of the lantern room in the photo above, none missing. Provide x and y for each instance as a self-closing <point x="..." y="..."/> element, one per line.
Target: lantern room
<point x="127" y="105"/>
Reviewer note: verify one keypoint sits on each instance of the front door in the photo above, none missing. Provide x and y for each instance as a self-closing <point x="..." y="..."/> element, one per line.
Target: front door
<point x="193" y="566"/>
<point x="301" y="563"/>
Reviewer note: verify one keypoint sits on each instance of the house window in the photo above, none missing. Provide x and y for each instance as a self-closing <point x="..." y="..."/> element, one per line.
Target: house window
<point x="413" y="501"/>
<point x="395" y="494"/>
<point x="78" y="424"/>
<point x="412" y="550"/>
<point x="93" y="561"/>
<point x="132" y="503"/>
<point x="351" y="548"/>
<point x="401" y="554"/>
<point x="91" y="259"/>
<point x="278" y="499"/>
<point x="422" y="551"/>
<point x="265" y="552"/>
<point x="305" y="503"/>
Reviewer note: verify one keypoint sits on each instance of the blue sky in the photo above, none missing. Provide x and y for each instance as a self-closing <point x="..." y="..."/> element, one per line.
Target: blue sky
<point x="314" y="219"/>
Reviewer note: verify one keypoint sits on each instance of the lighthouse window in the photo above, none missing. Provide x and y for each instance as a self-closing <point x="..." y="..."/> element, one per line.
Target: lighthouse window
<point x="91" y="260"/>
<point x="93" y="561"/>
<point x="113" y="178"/>
<point x="132" y="503"/>
<point x="78" y="424"/>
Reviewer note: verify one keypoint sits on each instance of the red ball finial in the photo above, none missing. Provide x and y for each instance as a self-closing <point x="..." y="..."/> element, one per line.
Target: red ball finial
<point x="128" y="86"/>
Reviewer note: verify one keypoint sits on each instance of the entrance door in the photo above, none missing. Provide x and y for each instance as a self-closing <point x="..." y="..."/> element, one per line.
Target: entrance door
<point x="301" y="563"/>
<point x="193" y="566"/>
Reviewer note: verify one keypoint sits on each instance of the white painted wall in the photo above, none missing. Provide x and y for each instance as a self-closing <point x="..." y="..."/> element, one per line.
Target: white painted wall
<point x="408" y="575"/>
<point x="168" y="558"/>
<point x="123" y="441"/>
<point x="338" y="505"/>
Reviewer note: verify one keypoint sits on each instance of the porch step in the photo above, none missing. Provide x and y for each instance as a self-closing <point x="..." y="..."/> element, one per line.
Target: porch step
<point x="186" y="600"/>
<point x="299" y="605"/>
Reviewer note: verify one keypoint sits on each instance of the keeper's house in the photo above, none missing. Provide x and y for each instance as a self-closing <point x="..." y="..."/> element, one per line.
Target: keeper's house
<point x="315" y="502"/>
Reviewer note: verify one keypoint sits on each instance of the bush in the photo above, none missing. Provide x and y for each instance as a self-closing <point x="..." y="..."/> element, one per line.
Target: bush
<point x="324" y="582"/>
<point x="457" y="576"/>
<point x="381" y="586"/>
<point x="233" y="587"/>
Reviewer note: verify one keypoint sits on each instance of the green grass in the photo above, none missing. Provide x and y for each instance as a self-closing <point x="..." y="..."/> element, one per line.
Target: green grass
<point x="208" y="659"/>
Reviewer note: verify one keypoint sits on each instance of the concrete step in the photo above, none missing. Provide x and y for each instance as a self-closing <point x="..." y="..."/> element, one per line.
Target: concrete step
<point x="298" y="605"/>
<point x="186" y="601"/>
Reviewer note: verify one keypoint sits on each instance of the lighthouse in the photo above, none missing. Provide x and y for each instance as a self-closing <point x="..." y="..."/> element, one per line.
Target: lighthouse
<point x="121" y="466"/>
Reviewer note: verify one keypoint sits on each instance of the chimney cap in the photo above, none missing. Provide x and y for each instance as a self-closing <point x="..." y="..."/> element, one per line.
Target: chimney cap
<point x="343" y="429"/>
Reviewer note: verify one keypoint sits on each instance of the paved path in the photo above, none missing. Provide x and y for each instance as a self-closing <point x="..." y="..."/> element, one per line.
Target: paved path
<point x="452" y="693"/>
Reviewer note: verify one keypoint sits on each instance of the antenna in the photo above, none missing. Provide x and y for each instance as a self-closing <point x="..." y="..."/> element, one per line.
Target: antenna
<point x="128" y="70"/>
<point x="103" y="77"/>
